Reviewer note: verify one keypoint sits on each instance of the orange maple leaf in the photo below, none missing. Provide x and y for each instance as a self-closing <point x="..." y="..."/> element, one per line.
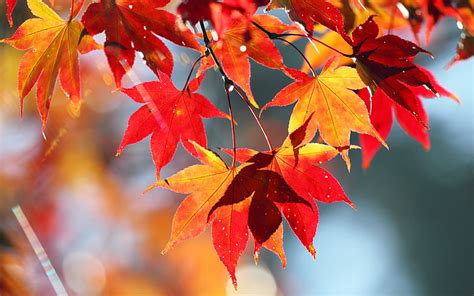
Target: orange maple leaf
<point x="206" y="183"/>
<point x="337" y="109"/>
<point x="53" y="46"/>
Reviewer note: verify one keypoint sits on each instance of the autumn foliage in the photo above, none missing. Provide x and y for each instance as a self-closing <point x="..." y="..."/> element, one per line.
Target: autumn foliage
<point x="362" y="79"/>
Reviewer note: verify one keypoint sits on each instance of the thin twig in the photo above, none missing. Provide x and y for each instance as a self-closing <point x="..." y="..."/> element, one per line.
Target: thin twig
<point x="210" y="51"/>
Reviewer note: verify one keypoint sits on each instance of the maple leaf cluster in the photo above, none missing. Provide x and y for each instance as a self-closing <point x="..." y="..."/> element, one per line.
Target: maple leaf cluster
<point x="367" y="76"/>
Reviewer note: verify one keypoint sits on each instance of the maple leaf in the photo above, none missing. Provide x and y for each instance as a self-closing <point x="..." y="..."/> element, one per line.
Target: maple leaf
<point x="169" y="115"/>
<point x="296" y="163"/>
<point x="382" y="110"/>
<point x="132" y="25"/>
<point x="206" y="184"/>
<point x="311" y="12"/>
<point x="387" y="63"/>
<point x="52" y="46"/>
<point x="337" y="108"/>
<point x="240" y="42"/>
<point x="253" y="197"/>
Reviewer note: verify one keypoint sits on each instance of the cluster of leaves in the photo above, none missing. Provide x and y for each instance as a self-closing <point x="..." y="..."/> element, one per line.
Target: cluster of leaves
<point x="366" y="77"/>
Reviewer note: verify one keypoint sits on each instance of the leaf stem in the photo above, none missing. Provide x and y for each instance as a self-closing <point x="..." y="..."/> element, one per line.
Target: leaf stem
<point x="232" y="124"/>
<point x="301" y="54"/>
<point x="191" y="72"/>
<point x="273" y="35"/>
<point x="228" y="85"/>
<point x="257" y="119"/>
<point x="318" y="41"/>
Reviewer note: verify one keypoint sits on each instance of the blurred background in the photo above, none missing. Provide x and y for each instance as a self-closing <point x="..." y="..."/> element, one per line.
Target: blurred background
<point x="411" y="234"/>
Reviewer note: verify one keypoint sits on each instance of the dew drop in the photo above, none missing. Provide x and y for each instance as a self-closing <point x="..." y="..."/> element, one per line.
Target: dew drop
<point x="214" y="35"/>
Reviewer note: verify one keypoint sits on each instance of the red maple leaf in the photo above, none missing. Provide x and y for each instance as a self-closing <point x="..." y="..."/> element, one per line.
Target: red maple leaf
<point x="387" y="63"/>
<point x="134" y="25"/>
<point x="382" y="108"/>
<point x="169" y="115"/>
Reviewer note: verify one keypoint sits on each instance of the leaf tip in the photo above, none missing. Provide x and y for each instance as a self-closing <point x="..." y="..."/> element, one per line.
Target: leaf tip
<point x="167" y="248"/>
<point x="312" y="250"/>
<point x="427" y="145"/>
<point x="347" y="160"/>
<point x="455" y="98"/>
<point x="234" y="281"/>
<point x="365" y="164"/>
<point x="153" y="186"/>
<point x="351" y="204"/>
<point x="282" y="259"/>
<point x="256" y="255"/>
